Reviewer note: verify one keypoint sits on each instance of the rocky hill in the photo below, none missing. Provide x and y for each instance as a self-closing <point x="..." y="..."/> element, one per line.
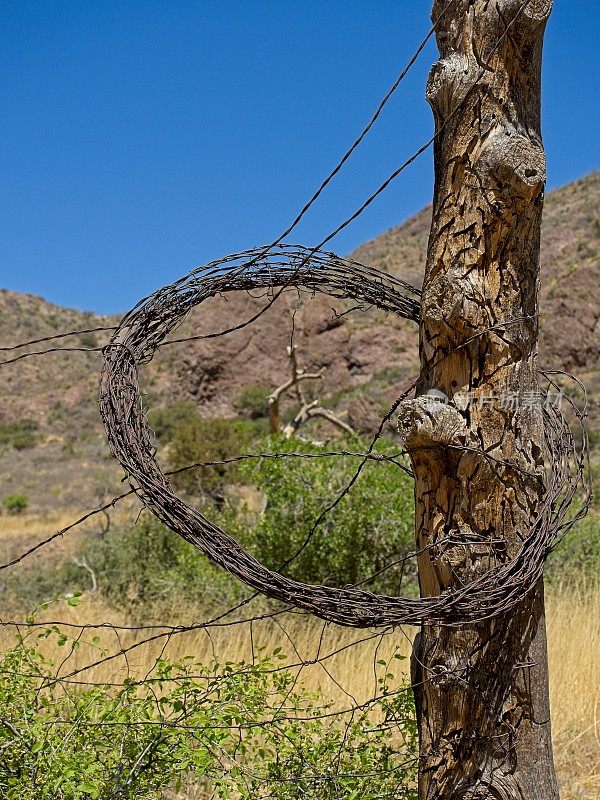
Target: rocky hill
<point x="368" y="358"/>
<point x="570" y="270"/>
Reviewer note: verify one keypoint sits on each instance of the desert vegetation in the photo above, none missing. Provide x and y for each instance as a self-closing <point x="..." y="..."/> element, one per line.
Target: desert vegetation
<point x="179" y="723"/>
<point x="186" y="769"/>
<point x="127" y="569"/>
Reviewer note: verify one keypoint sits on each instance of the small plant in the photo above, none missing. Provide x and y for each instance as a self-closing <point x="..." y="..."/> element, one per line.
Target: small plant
<point x="145" y="570"/>
<point x="88" y="340"/>
<point x="15" y="503"/>
<point x="198" y="440"/>
<point x="165" y="420"/>
<point x="577" y="557"/>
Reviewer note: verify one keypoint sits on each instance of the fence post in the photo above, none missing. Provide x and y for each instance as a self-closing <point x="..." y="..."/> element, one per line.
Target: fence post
<point x="482" y="689"/>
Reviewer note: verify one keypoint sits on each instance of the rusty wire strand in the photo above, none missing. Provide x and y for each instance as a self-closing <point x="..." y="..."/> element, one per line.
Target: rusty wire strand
<point x="485" y="64"/>
<point x="62" y="335"/>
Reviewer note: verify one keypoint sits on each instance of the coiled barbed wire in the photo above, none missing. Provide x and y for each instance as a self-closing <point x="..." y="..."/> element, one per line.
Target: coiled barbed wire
<point x="145" y="328"/>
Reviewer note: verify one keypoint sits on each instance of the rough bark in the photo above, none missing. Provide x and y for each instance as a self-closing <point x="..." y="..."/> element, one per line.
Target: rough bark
<point x="482" y="689"/>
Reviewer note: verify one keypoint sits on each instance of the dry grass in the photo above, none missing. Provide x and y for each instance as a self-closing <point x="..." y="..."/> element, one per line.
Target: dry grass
<point x="349" y="675"/>
<point x="345" y="674"/>
<point x="574" y="655"/>
<point x="19" y="526"/>
<point x="18" y="532"/>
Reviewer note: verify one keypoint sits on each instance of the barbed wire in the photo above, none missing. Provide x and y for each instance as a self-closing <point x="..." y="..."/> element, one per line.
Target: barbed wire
<point x="231" y="460"/>
<point x="138" y="337"/>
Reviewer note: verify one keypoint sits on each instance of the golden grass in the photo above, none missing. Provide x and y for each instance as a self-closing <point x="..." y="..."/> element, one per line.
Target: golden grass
<point x="28" y="524"/>
<point x="574" y="661"/>
<point x="349" y="676"/>
<point x="18" y="532"/>
<point x="22" y="525"/>
<point x="346" y="674"/>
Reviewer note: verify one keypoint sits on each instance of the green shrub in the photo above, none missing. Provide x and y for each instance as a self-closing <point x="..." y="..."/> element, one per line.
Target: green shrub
<point x="145" y="570"/>
<point x="165" y="420"/>
<point x="198" y="440"/>
<point x="20" y="435"/>
<point x="243" y="730"/>
<point x="15" y="503"/>
<point x="369" y="528"/>
<point x="190" y="439"/>
<point x="252" y="401"/>
<point x="88" y="340"/>
<point x="577" y="557"/>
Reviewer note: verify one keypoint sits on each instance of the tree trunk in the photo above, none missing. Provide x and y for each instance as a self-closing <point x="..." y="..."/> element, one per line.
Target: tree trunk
<point x="482" y="689"/>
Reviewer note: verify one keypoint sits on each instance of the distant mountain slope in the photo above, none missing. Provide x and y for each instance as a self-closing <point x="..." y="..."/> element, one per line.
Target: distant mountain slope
<point x="368" y="357"/>
<point x="37" y="387"/>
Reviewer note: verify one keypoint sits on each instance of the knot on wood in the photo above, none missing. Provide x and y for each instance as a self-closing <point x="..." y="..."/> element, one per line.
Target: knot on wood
<point x="429" y="421"/>
<point x="526" y="22"/>
<point x="534" y="10"/>
<point x="514" y="166"/>
<point x="449" y="82"/>
<point x="450" y="300"/>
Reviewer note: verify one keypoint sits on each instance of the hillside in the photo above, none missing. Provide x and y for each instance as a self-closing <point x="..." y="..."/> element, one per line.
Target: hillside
<point x="570" y="270"/>
<point x="368" y="358"/>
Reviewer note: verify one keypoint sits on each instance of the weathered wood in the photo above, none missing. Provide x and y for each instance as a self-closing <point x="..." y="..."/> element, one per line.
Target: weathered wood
<point x="482" y="690"/>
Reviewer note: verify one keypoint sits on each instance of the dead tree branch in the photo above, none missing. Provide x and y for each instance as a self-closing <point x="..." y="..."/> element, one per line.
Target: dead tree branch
<point x="308" y="408"/>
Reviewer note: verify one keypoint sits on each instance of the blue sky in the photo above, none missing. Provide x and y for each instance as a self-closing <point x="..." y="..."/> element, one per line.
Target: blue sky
<point x="142" y="139"/>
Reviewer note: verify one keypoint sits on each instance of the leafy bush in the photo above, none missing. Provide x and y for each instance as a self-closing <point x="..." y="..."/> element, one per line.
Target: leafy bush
<point x="369" y="528"/>
<point x="165" y="420"/>
<point x="191" y="439"/>
<point x="243" y="728"/>
<point x="252" y="401"/>
<point x="196" y="440"/>
<point x="20" y="435"/>
<point x="15" y="503"/>
<point x="145" y="571"/>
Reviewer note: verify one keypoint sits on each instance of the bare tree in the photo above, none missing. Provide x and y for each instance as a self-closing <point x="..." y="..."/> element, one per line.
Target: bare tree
<point x="482" y="689"/>
<point x="309" y="408"/>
